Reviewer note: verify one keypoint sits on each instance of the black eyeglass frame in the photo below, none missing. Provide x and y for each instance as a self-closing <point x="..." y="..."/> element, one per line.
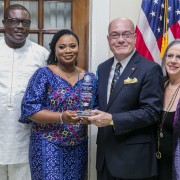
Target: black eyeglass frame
<point x="16" y="21"/>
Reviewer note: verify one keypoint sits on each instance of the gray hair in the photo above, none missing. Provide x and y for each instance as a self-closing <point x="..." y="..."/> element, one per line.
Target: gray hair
<point x="176" y="41"/>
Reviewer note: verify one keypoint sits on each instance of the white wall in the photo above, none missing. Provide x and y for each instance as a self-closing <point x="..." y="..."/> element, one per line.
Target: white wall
<point x="125" y="8"/>
<point x="98" y="52"/>
<point x="101" y="12"/>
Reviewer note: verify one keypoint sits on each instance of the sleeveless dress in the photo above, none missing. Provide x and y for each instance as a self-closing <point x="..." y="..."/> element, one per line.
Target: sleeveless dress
<point x="57" y="151"/>
<point x="166" y="149"/>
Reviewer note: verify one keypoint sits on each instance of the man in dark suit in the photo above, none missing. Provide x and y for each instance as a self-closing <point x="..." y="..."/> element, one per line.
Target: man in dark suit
<point x="130" y="104"/>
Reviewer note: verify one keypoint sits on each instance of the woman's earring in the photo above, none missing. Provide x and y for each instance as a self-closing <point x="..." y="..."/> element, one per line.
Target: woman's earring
<point x="55" y="59"/>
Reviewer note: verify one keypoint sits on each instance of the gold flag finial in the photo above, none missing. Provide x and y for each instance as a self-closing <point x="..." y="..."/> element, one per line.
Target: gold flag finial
<point x="165" y="29"/>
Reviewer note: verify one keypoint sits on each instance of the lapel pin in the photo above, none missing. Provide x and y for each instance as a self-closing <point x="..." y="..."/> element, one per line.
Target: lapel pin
<point x="132" y="69"/>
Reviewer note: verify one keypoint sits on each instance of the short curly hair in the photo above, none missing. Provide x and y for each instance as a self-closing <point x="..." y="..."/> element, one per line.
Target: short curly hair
<point x="59" y="34"/>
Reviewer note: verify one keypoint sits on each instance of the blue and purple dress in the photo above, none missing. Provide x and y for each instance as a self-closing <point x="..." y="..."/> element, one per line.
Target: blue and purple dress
<point x="176" y="145"/>
<point x="58" y="151"/>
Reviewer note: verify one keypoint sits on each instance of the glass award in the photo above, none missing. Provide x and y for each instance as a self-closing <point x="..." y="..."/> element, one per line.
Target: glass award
<point x="86" y="97"/>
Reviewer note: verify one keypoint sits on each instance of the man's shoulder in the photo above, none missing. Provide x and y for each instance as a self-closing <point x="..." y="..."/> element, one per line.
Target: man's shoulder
<point x="107" y="62"/>
<point x="36" y="46"/>
<point x="2" y="39"/>
<point x="146" y="62"/>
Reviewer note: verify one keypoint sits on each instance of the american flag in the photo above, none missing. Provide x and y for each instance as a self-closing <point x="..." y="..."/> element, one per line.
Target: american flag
<point x="153" y="25"/>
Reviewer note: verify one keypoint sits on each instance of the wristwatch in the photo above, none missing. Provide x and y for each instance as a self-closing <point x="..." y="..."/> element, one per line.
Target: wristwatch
<point x="111" y="123"/>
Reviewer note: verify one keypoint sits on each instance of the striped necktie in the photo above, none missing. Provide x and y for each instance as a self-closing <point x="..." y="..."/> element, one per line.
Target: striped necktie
<point x="116" y="76"/>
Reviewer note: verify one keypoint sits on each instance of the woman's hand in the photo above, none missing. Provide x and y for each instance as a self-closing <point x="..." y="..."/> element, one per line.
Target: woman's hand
<point x="70" y="117"/>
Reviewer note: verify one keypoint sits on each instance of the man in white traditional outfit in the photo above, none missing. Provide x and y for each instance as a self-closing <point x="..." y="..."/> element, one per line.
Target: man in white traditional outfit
<point x="19" y="58"/>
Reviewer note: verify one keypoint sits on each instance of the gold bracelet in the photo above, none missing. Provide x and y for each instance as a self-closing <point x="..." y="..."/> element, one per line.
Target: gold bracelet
<point x="60" y="115"/>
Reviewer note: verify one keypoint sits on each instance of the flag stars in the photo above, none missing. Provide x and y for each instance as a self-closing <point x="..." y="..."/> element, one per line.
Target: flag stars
<point x="159" y="16"/>
<point x="162" y="5"/>
<point x="153" y="13"/>
<point x="156" y="1"/>
<point x="178" y="12"/>
<point x="159" y="30"/>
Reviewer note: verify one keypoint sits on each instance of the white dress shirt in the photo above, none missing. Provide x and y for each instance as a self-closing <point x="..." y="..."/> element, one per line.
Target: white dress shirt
<point x="16" y="68"/>
<point x="123" y="62"/>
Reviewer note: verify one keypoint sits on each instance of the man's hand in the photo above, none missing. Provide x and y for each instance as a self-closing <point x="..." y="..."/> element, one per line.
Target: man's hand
<point x="100" y="119"/>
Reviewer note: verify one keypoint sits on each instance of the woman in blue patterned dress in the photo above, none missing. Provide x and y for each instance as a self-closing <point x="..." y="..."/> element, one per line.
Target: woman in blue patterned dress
<point x="59" y="142"/>
<point x="176" y="145"/>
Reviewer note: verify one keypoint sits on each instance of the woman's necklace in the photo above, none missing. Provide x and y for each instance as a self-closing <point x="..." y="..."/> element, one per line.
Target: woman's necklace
<point x="68" y="75"/>
<point x="161" y="123"/>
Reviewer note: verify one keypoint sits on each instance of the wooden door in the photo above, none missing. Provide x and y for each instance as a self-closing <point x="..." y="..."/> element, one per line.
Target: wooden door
<point x="49" y="16"/>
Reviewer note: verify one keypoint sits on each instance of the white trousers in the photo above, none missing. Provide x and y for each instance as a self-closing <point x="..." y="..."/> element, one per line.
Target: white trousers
<point x="15" y="172"/>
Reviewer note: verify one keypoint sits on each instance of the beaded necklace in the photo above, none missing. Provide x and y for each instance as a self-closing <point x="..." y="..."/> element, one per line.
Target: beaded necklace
<point x="161" y="123"/>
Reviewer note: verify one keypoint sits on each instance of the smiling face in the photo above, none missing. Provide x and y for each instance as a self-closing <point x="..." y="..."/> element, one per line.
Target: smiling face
<point x="121" y="38"/>
<point x="66" y="50"/>
<point x="15" y="35"/>
<point x="172" y="61"/>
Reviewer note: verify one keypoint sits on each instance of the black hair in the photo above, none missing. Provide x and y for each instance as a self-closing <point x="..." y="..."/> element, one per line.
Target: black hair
<point x="14" y="7"/>
<point x="52" y="59"/>
<point x="176" y="41"/>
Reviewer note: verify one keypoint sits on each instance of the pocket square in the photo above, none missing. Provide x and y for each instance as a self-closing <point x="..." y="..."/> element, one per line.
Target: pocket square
<point x="130" y="81"/>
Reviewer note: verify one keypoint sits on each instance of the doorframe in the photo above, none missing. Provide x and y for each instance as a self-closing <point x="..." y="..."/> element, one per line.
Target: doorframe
<point x="79" y="25"/>
<point x="98" y="52"/>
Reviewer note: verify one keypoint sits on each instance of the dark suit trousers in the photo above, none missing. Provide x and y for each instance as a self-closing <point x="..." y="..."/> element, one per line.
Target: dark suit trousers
<point x="105" y="175"/>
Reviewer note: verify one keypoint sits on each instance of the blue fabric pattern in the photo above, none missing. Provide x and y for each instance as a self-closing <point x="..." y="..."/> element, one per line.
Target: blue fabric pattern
<point x="49" y="161"/>
<point x="176" y="144"/>
<point x="58" y="150"/>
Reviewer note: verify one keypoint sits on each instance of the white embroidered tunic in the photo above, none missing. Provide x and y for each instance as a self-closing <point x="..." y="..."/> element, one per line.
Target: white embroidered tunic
<point x="16" y="68"/>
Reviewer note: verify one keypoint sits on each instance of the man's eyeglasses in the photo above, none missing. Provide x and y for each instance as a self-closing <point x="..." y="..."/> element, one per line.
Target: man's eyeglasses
<point x="125" y="35"/>
<point x="15" y="22"/>
<point x="170" y="56"/>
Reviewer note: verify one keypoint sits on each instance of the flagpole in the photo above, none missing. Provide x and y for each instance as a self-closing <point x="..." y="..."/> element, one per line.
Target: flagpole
<point x="165" y="29"/>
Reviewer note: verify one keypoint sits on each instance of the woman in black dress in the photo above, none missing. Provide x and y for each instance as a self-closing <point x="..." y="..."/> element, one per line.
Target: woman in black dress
<point x="171" y="65"/>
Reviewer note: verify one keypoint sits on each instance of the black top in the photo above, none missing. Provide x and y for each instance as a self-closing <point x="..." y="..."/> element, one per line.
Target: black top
<point x="166" y="149"/>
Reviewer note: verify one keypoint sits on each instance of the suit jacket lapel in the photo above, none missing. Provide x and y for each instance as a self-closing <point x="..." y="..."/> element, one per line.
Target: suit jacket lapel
<point x="128" y="72"/>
